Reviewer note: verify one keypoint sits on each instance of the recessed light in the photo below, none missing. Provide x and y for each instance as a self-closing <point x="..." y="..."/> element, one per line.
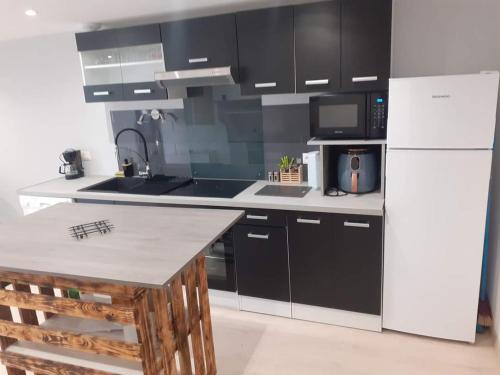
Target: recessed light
<point x="31" y="13"/>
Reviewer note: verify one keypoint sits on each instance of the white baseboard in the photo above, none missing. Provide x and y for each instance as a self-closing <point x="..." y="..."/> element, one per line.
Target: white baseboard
<point x="265" y="306"/>
<point x="337" y="317"/>
<point x="223" y="298"/>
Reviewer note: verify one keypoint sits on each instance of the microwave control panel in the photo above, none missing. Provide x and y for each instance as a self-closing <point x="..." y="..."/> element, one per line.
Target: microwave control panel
<point x="377" y="122"/>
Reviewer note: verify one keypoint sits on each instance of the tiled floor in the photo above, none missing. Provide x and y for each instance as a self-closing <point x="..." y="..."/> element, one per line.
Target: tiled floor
<point x="256" y="344"/>
<point x="252" y="344"/>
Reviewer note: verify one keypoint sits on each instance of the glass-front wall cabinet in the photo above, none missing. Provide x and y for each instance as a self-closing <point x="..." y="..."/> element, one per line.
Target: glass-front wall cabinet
<point x="120" y="64"/>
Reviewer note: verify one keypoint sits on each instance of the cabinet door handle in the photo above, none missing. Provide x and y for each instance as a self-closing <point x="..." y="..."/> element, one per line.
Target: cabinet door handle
<point x="258" y="236"/>
<point x="365" y="79"/>
<point x="317" y="82"/>
<point x="198" y="60"/>
<point x="142" y="91"/>
<point x="356" y="225"/>
<point x="264" y="85"/>
<point x="257" y="217"/>
<point x="308" y="221"/>
<point x="101" y="93"/>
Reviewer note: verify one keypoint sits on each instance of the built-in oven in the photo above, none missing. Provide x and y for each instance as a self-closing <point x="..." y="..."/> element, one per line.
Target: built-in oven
<point x="219" y="260"/>
<point x="348" y="116"/>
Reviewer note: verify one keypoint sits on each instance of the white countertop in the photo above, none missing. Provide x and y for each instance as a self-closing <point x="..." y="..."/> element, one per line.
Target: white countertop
<point x="147" y="247"/>
<point x="365" y="204"/>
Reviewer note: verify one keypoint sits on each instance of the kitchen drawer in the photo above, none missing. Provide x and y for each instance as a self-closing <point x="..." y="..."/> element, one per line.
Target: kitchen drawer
<point x="273" y="218"/>
<point x="143" y="91"/>
<point x="262" y="262"/>
<point x="103" y="93"/>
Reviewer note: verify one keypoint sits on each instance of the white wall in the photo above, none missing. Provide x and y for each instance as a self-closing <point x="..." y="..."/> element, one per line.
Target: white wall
<point x="42" y="112"/>
<point x="449" y="37"/>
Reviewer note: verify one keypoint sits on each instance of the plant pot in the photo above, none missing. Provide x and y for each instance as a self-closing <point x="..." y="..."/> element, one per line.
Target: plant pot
<point x="293" y="176"/>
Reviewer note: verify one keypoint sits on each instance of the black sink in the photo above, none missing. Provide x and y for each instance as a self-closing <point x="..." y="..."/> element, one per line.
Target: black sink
<point x="157" y="185"/>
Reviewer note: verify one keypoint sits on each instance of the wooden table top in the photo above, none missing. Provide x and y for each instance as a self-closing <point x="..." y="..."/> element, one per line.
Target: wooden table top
<point x="147" y="247"/>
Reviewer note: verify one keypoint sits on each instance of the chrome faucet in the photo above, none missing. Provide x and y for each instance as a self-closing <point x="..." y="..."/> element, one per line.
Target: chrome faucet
<point x="147" y="173"/>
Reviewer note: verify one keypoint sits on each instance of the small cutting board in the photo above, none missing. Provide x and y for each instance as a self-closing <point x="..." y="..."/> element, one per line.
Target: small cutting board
<point x="284" y="191"/>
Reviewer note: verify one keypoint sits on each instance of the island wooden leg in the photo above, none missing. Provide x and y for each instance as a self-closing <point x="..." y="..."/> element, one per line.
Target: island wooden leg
<point x="206" y="320"/>
<point x="194" y="318"/>
<point x="144" y="333"/>
<point x="166" y="334"/>
<point x="182" y="314"/>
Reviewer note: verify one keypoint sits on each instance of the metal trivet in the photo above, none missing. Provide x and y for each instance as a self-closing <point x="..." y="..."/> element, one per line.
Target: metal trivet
<point x="82" y="231"/>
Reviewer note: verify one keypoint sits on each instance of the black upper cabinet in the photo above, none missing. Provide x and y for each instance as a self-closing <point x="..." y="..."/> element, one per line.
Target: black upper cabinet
<point x="366" y="44"/>
<point x="317" y="46"/>
<point x="336" y="261"/>
<point x="266" y="51"/>
<point x="262" y="262"/>
<point x="200" y="43"/>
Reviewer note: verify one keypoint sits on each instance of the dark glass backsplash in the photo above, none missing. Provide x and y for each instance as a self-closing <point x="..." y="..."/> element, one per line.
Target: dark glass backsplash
<point x="218" y="134"/>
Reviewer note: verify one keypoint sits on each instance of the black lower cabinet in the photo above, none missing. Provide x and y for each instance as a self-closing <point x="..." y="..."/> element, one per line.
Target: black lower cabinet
<point x="262" y="262"/>
<point x="336" y="261"/>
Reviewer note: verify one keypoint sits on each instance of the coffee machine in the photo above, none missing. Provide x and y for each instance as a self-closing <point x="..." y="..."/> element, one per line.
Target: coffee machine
<point x="72" y="166"/>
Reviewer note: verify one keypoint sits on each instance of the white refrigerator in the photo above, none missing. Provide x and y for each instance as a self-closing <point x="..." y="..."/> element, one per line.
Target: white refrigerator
<point x="440" y="140"/>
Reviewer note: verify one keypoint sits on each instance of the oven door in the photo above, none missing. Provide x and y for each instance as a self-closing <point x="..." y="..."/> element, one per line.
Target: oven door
<point x="338" y="116"/>
<point x="219" y="260"/>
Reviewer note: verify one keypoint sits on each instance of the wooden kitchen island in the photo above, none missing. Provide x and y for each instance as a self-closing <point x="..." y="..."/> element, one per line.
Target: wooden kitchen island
<point x="143" y="305"/>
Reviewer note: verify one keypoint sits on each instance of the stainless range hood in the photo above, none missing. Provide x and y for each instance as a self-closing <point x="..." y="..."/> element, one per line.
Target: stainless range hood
<point x="177" y="81"/>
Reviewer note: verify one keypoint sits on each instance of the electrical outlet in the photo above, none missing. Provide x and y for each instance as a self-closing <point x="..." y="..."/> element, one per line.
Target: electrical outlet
<point x="305" y="158"/>
<point x="86" y="156"/>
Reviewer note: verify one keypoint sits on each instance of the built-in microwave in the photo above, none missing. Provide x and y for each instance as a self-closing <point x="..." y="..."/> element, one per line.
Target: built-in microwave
<point x="347" y="116"/>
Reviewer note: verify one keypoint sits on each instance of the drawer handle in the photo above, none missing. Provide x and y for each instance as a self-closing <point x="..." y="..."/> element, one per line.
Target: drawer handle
<point x="101" y="93"/>
<point x="356" y="225"/>
<point x="365" y="79"/>
<point x="264" y="85"/>
<point x="142" y="91"/>
<point x="317" y="82"/>
<point x="308" y="221"/>
<point x="257" y="217"/>
<point x="198" y="60"/>
<point x="258" y="236"/>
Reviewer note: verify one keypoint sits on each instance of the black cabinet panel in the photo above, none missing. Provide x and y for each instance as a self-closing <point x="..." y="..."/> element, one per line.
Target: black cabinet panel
<point x="254" y="216"/>
<point x="114" y="38"/>
<point x="336" y="261"/>
<point x="317" y="46"/>
<point x="138" y="35"/>
<point x="358" y="263"/>
<point x="93" y="40"/>
<point x="143" y="91"/>
<point x="103" y="93"/>
<point x="262" y="262"/>
<point x="266" y="51"/>
<point x="200" y="43"/>
<point x="366" y="44"/>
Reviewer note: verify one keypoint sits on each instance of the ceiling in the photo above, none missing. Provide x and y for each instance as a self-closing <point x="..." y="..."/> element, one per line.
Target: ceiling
<point x="55" y="16"/>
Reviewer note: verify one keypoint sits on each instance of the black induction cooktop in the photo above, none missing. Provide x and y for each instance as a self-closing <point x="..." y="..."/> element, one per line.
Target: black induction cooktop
<point x="212" y="188"/>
